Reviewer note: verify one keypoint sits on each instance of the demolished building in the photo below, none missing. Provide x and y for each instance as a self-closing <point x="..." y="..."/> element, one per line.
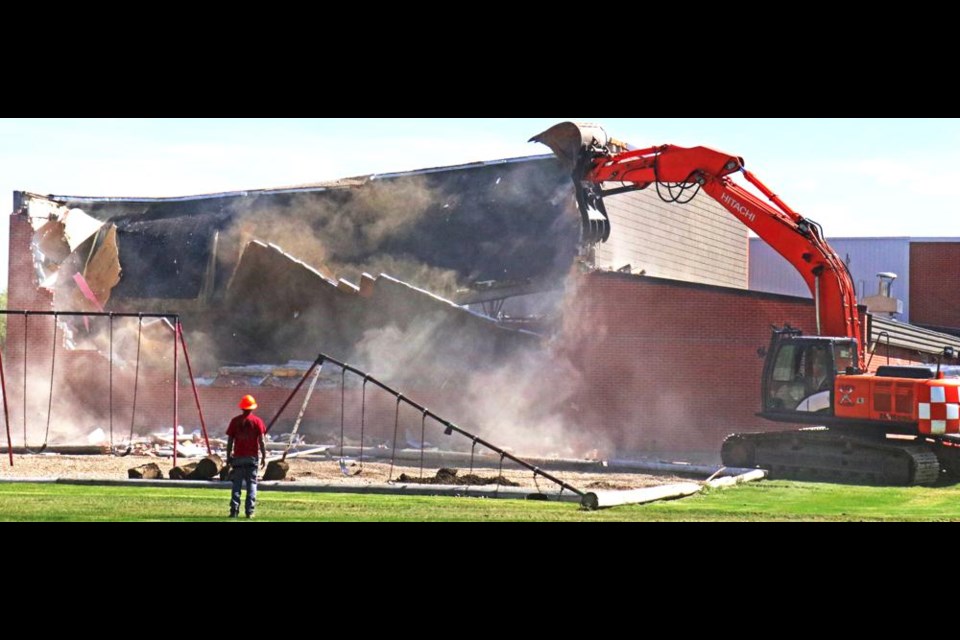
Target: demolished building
<point x="265" y="277"/>
<point x="470" y="287"/>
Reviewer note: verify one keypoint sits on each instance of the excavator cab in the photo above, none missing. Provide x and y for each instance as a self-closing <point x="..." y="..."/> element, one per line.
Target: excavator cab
<point x="799" y="375"/>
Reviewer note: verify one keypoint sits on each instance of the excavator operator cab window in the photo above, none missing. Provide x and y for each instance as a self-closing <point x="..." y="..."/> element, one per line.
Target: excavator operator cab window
<point x="844" y="357"/>
<point x="802" y="372"/>
<point x="786" y="388"/>
<point x="785" y="368"/>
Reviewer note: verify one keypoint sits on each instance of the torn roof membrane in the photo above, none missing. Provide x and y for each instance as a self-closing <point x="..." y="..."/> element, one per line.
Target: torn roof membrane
<point x="78" y="227"/>
<point x="432" y="231"/>
<point x="74" y="225"/>
<point x="75" y="257"/>
<point x="507" y="220"/>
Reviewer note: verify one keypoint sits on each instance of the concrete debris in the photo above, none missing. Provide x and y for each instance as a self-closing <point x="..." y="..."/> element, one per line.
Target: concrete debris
<point x="347" y="287"/>
<point x="183" y="471"/>
<point x="97" y="436"/>
<point x="206" y="469"/>
<point x="149" y="471"/>
<point x="289" y="307"/>
<point x="449" y="476"/>
<point x="189" y="450"/>
<point x="366" y="285"/>
<point x="276" y="470"/>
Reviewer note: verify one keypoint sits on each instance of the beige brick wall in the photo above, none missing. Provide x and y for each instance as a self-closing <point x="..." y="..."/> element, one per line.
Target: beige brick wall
<point x="697" y="242"/>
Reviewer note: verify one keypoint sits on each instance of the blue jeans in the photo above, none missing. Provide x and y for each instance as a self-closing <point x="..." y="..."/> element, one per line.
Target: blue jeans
<point x="244" y="470"/>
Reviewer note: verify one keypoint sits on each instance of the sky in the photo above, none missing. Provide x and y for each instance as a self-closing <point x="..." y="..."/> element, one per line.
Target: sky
<point x="856" y="177"/>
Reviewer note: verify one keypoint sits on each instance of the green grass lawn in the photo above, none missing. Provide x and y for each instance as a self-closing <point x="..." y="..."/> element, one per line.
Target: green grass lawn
<point x="758" y="501"/>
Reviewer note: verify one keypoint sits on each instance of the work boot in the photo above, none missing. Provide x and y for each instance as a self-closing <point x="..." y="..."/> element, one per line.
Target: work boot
<point x="234" y="514"/>
<point x="250" y="515"/>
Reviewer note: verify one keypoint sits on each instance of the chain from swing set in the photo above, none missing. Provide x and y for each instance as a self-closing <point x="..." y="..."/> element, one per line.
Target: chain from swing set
<point x="363" y="418"/>
<point x="423" y="425"/>
<point x="26" y="316"/>
<point x="53" y="363"/>
<point x="343" y="375"/>
<point x="499" y="475"/>
<point x="396" y="424"/>
<point x="473" y="450"/>
<point x="136" y="384"/>
<point x="111" y="380"/>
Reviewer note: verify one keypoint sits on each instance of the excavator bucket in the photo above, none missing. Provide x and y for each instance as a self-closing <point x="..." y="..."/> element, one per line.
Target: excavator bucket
<point x="569" y="141"/>
<point x="575" y="144"/>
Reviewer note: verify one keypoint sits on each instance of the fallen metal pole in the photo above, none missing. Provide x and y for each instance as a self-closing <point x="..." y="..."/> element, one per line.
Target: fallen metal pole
<point x="483" y="459"/>
<point x="413" y="489"/>
<point x="728" y="481"/>
<point x="449" y="426"/>
<point x="604" y="499"/>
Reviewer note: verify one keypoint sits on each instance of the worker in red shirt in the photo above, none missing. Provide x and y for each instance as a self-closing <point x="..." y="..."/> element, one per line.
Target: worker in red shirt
<point x="245" y="436"/>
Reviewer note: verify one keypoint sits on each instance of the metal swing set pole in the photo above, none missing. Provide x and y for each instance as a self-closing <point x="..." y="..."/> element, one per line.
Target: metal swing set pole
<point x="6" y="414"/>
<point x="193" y="384"/>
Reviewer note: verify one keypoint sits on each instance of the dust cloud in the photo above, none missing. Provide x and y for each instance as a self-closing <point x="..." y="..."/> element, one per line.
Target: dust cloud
<point x="522" y="399"/>
<point x="344" y="235"/>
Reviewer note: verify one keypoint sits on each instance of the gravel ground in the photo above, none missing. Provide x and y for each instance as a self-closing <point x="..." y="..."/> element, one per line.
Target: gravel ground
<point x="304" y="471"/>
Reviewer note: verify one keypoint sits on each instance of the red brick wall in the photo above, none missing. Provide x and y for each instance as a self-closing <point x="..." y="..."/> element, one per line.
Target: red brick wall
<point x="934" y="274"/>
<point x="670" y="366"/>
<point x="22" y="292"/>
<point x="673" y="367"/>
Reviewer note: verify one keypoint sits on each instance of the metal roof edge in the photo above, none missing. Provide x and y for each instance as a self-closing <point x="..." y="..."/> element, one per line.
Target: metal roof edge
<point x="282" y="190"/>
<point x="911" y="336"/>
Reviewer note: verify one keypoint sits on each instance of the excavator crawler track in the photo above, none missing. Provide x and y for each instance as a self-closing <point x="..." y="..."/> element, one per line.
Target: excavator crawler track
<point x="829" y="456"/>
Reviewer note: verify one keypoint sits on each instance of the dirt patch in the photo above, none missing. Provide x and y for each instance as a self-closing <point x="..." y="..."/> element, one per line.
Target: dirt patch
<point x="323" y="471"/>
<point x="449" y="476"/>
<point x="602" y="484"/>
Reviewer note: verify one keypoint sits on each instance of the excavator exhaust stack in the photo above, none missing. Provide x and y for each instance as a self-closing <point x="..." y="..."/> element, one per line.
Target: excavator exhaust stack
<point x="575" y="145"/>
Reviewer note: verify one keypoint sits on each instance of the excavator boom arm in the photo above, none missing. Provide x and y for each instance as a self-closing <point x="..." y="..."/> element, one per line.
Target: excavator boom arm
<point x="595" y="162"/>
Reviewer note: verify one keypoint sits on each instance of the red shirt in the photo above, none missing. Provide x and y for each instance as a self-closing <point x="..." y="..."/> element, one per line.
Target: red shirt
<point x="246" y="435"/>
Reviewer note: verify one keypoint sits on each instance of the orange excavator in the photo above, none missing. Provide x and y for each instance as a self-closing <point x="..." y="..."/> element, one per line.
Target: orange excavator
<point x="897" y="426"/>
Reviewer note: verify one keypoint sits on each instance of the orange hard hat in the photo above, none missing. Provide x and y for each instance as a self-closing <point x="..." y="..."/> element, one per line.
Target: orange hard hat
<point x="248" y="402"/>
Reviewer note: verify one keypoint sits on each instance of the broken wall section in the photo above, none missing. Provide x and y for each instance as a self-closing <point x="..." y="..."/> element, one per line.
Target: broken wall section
<point x="75" y="256"/>
<point x="278" y="308"/>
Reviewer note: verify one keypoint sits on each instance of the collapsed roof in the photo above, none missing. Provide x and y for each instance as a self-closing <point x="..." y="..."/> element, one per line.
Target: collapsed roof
<point x="510" y="220"/>
<point x="265" y="272"/>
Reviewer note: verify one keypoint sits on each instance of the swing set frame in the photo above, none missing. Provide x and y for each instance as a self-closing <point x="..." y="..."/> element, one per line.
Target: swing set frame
<point x="176" y="328"/>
